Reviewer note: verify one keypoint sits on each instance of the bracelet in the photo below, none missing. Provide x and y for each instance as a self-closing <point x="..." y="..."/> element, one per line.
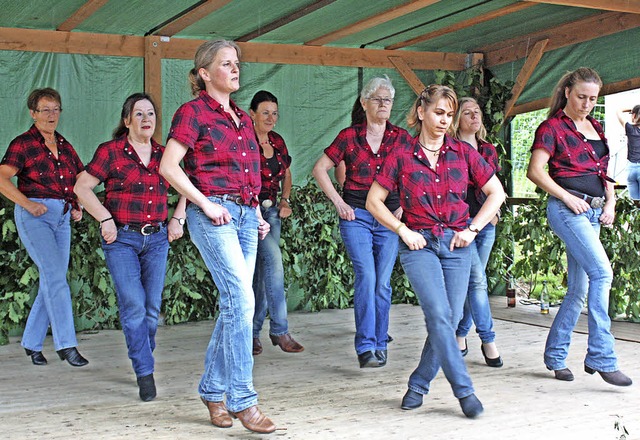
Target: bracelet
<point x="105" y="220"/>
<point x="286" y="200"/>
<point x="399" y="226"/>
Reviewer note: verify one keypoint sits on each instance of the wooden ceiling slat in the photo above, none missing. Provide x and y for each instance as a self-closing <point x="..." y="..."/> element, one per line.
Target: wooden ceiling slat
<point x="579" y="31"/>
<point x="190" y="17"/>
<point x="370" y="22"/>
<point x="285" y="20"/>
<point x="463" y="25"/>
<point x="630" y="6"/>
<point x="85" y="11"/>
<point x="409" y="75"/>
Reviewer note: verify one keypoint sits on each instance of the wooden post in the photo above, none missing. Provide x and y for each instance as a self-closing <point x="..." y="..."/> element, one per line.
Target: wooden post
<point x="525" y="73"/>
<point x="408" y="74"/>
<point x="153" y="78"/>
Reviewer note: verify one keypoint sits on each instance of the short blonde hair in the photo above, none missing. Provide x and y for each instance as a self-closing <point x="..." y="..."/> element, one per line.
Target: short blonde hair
<point x="481" y="134"/>
<point x="205" y="55"/>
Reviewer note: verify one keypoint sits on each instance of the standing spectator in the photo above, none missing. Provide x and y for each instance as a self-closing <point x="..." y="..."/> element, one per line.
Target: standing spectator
<point x="632" y="130"/>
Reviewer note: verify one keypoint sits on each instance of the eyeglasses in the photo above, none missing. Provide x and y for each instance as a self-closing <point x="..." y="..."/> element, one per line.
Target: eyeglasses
<point x="50" y="111"/>
<point x="380" y="101"/>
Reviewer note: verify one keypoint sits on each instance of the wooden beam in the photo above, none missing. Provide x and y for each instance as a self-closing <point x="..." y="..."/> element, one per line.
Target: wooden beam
<point x="607" y="89"/>
<point x="153" y="78"/>
<point x="367" y="23"/>
<point x="630" y="6"/>
<point x="191" y="17"/>
<point x="285" y="20"/>
<point x="85" y="11"/>
<point x="409" y="75"/>
<point x="579" y="31"/>
<point x="515" y="7"/>
<point x="525" y="73"/>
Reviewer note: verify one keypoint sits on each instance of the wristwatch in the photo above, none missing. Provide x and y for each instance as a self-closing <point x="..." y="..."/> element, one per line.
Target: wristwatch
<point x="286" y="200"/>
<point x="473" y="228"/>
<point x="181" y="221"/>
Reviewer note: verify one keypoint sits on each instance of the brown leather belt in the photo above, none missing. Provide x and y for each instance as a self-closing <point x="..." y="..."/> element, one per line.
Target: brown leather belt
<point x="594" y="202"/>
<point x="146" y="229"/>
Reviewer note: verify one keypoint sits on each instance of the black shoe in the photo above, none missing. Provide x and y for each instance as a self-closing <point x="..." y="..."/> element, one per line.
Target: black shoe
<point x="147" y="388"/>
<point x="72" y="356"/>
<point x="471" y="406"/>
<point x="465" y="351"/>
<point x="36" y="357"/>
<point x="492" y="362"/>
<point x="617" y="377"/>
<point x="411" y="400"/>
<point x="389" y="338"/>
<point x="368" y="360"/>
<point x="564" y="374"/>
<point x="381" y="355"/>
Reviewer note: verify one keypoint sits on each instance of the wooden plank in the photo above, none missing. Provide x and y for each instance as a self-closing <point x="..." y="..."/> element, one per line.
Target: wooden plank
<point x="630" y="6"/>
<point x="285" y="20"/>
<point x="153" y="78"/>
<point x="31" y="40"/>
<point x="191" y="17"/>
<point x="409" y="75"/>
<point x="367" y="23"/>
<point x="85" y="11"/>
<point x="595" y="26"/>
<point x="525" y="73"/>
<point x="515" y="7"/>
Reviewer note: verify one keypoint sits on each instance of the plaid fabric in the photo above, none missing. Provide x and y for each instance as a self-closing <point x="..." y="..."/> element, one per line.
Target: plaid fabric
<point x="361" y="163"/>
<point x="222" y="158"/>
<point x="475" y="196"/>
<point x="430" y="199"/>
<point x="135" y="194"/>
<point x="271" y="183"/>
<point x="40" y="174"/>
<point x="571" y="153"/>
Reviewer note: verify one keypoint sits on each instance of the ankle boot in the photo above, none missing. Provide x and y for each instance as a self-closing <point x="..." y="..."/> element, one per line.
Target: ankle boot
<point x="72" y="356"/>
<point x="617" y="377"/>
<point x="147" y="386"/>
<point x="37" y="358"/>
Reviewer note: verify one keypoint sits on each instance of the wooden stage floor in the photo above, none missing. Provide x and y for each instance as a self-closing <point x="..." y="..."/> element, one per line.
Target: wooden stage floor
<point x="321" y="393"/>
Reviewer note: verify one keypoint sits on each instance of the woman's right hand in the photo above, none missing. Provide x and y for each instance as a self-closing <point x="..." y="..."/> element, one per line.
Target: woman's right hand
<point x="575" y="204"/>
<point x="345" y="211"/>
<point x="218" y="214"/>
<point x="414" y="240"/>
<point x="36" y="209"/>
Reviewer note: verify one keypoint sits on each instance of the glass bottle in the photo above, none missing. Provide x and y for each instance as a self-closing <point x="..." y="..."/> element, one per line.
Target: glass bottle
<point x="511" y="292"/>
<point x="544" y="299"/>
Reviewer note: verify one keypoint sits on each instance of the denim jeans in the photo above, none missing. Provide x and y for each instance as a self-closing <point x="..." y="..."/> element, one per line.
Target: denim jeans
<point x="440" y="279"/>
<point x="633" y="180"/>
<point x="373" y="250"/>
<point x="229" y="251"/>
<point x="137" y="264"/>
<point x="47" y="239"/>
<point x="477" y="304"/>
<point x="589" y="275"/>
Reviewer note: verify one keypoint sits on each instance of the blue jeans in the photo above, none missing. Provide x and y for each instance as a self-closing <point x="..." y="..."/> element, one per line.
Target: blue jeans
<point x="268" y="281"/>
<point x="48" y="241"/>
<point x="373" y="250"/>
<point x="588" y="274"/>
<point x="440" y="279"/>
<point x="137" y="264"/>
<point x="477" y="304"/>
<point x="633" y="180"/>
<point x="229" y="251"/>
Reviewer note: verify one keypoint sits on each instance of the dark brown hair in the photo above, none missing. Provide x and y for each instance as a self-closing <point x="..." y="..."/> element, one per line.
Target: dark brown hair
<point x="127" y="108"/>
<point x="35" y="97"/>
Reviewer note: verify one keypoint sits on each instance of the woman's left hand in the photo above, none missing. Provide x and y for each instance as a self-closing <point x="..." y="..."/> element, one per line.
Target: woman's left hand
<point x="285" y="209"/>
<point x="76" y="215"/>
<point x="263" y="229"/>
<point x="398" y="213"/>
<point x="607" y="216"/>
<point x="462" y="239"/>
<point x="174" y="230"/>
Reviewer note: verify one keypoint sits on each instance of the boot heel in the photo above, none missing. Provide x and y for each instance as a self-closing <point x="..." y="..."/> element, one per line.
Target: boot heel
<point x="589" y="370"/>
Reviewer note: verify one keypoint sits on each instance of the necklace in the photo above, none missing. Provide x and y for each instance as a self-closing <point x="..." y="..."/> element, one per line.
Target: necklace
<point x="437" y="150"/>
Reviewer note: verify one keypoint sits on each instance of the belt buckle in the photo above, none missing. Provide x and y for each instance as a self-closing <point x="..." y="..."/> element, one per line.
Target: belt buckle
<point x="238" y="200"/>
<point x="597" y="202"/>
<point x="142" y="229"/>
<point x="267" y="203"/>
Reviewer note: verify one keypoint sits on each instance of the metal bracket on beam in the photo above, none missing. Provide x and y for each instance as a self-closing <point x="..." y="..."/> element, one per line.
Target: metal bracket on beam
<point x="473" y="59"/>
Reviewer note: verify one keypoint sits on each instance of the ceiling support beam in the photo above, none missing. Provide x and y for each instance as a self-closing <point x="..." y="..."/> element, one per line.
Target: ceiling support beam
<point x="85" y="11"/>
<point x="409" y="75"/>
<point x="370" y="22"/>
<point x="191" y="17"/>
<point x="630" y="6"/>
<point x="589" y="28"/>
<point x="153" y="78"/>
<point x="525" y="73"/>
<point x="463" y="24"/>
<point x="285" y="20"/>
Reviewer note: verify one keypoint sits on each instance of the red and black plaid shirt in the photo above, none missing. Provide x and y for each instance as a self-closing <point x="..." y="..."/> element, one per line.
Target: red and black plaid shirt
<point x="475" y="196"/>
<point x="362" y="164"/>
<point x="431" y="199"/>
<point x="571" y="153"/>
<point x="222" y="158"/>
<point x="270" y="182"/>
<point x="135" y="193"/>
<point x="40" y="174"/>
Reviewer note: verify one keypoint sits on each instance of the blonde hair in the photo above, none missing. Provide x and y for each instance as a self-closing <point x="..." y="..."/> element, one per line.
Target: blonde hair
<point x="430" y="95"/>
<point x="570" y="79"/>
<point x="481" y="134"/>
<point x="205" y="55"/>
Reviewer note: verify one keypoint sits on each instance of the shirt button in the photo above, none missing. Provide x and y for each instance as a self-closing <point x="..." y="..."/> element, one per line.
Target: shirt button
<point x="61" y="177"/>
<point x="438" y="196"/>
<point x="148" y="216"/>
<point x="437" y="180"/>
<point x="239" y="138"/>
<point x="246" y="170"/>
<point x="151" y="188"/>
<point x="244" y="154"/>
<point x="150" y="202"/>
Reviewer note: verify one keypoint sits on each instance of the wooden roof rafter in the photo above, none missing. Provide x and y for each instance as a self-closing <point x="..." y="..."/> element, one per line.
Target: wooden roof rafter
<point x="629" y="6"/>
<point x="367" y="23"/>
<point x="194" y="15"/>
<point x="319" y="4"/>
<point x="85" y="11"/>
